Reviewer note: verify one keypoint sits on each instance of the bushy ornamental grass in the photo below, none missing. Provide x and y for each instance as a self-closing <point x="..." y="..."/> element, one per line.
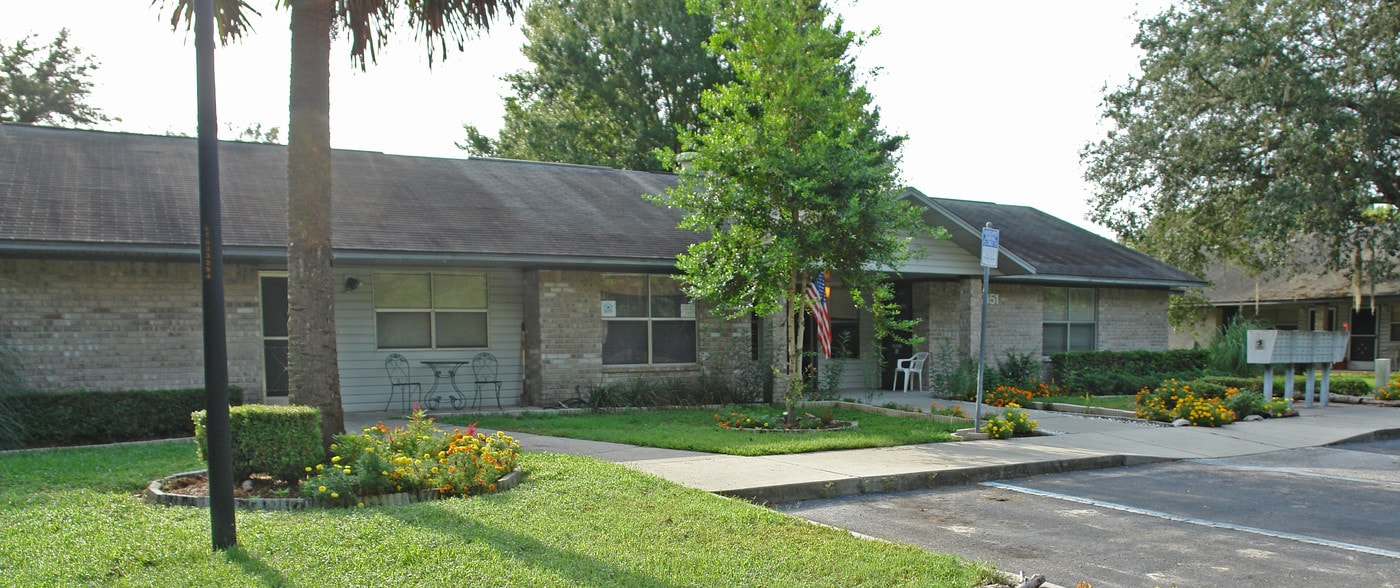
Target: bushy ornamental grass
<point x="72" y="517"/>
<point x="696" y="430"/>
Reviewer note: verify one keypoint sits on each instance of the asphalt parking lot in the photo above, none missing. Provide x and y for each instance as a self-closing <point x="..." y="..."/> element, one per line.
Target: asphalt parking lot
<point x="1326" y="516"/>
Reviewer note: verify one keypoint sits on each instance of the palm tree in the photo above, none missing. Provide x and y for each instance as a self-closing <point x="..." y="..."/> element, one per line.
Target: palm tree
<point x="314" y="375"/>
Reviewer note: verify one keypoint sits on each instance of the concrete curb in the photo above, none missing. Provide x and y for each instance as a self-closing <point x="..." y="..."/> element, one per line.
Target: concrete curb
<point x="1379" y="435"/>
<point x="819" y="490"/>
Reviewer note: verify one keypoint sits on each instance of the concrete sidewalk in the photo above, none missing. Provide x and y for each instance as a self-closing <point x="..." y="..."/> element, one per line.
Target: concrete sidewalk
<point x="1074" y="442"/>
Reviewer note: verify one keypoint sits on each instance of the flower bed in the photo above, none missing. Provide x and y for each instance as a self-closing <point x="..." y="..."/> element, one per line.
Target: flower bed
<point x="411" y="460"/>
<point x="156" y="493"/>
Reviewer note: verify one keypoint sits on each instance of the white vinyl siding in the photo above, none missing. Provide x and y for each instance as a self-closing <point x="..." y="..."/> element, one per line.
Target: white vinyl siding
<point x="363" y="383"/>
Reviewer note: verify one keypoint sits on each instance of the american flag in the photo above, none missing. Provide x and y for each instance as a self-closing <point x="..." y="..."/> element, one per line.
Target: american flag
<point x="816" y="294"/>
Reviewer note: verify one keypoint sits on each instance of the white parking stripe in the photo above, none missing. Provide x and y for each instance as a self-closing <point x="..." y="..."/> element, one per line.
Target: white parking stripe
<point x="1221" y="462"/>
<point x="1201" y="522"/>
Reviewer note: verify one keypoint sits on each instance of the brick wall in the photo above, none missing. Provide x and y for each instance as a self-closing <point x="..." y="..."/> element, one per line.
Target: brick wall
<point x="1132" y="319"/>
<point x="1014" y="316"/>
<point x="566" y="350"/>
<point x="70" y="325"/>
<point x="950" y="313"/>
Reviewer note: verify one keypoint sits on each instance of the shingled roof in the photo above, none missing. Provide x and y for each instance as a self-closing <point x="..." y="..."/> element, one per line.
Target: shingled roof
<point x="89" y="191"/>
<point x="79" y="193"/>
<point x="1043" y="248"/>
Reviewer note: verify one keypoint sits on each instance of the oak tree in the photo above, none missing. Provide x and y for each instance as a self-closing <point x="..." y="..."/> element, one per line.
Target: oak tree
<point x="1254" y="128"/>
<point x="612" y="82"/>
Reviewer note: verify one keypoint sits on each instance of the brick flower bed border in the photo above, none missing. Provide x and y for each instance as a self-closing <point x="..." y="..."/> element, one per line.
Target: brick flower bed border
<point x="155" y="494"/>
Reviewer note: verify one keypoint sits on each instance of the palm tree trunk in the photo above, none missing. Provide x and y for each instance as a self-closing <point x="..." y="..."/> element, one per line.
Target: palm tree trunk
<point x="314" y="375"/>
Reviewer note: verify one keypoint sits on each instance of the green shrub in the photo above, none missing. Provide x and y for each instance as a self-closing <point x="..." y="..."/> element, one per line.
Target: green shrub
<point x="89" y="417"/>
<point x="1255" y="384"/>
<point x="280" y="441"/>
<point x="1207" y="389"/>
<point x="1104" y="373"/>
<point x="710" y="388"/>
<point x="12" y="423"/>
<point x="1244" y="403"/>
<point x="1351" y="386"/>
<point x="952" y="374"/>
<point x="1019" y="370"/>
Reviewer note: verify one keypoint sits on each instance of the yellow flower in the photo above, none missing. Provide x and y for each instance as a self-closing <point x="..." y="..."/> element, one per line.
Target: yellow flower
<point x="360" y="505"/>
<point x="320" y="488"/>
<point x="308" y="468"/>
<point x="335" y="459"/>
<point x="335" y="495"/>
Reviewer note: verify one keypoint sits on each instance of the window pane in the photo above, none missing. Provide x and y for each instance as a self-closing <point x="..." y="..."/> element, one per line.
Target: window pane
<point x="674" y="342"/>
<point x="402" y="291"/>
<point x="1053" y="338"/>
<point x="274" y="306"/>
<point x="666" y="297"/>
<point x="461" y="329"/>
<point x="624" y="342"/>
<point x="630" y="292"/>
<point x="458" y="291"/>
<point x="1055" y="305"/>
<point x="1081" y="304"/>
<point x="402" y="330"/>
<point x="840" y="305"/>
<point x="845" y="338"/>
<point x="1081" y="337"/>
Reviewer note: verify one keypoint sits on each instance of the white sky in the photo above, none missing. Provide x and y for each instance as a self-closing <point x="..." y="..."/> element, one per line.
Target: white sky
<point x="997" y="98"/>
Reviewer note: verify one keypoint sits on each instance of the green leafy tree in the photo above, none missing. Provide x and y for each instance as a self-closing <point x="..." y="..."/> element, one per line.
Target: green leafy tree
<point x="1256" y="126"/>
<point x="792" y="175"/>
<point x="612" y="82"/>
<point x="46" y="84"/>
<point x="313" y="372"/>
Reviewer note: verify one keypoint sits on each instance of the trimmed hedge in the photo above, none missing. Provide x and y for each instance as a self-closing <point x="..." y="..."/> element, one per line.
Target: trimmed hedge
<point x="89" y="417"/>
<point x="280" y="441"/>
<point x="1102" y="373"/>
<point x="1340" y="384"/>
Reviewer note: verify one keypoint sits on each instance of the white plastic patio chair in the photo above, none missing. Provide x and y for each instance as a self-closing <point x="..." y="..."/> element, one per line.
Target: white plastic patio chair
<point x="910" y="367"/>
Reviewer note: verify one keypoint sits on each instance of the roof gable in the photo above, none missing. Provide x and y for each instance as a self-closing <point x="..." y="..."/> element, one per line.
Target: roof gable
<point x="1036" y="246"/>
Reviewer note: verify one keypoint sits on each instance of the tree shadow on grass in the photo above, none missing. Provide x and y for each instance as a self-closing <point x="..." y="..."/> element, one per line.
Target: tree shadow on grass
<point x="255" y="567"/>
<point x="575" y="567"/>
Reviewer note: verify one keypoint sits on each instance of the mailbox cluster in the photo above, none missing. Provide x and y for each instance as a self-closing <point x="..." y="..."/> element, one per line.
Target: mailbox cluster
<point x="1295" y="347"/>
<point x="1275" y="347"/>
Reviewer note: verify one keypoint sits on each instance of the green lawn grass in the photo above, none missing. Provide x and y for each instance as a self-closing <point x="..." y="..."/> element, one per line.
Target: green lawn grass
<point x="1115" y="402"/>
<point x="697" y="430"/>
<point x="72" y="517"/>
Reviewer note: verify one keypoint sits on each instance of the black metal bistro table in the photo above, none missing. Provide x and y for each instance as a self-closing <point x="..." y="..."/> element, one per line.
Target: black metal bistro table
<point x="445" y="370"/>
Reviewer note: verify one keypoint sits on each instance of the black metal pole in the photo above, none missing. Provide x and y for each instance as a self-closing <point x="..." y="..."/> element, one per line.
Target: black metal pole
<point x="221" y="506"/>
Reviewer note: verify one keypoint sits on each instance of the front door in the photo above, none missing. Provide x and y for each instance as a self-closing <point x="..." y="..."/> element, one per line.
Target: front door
<point x="1363" y="338"/>
<point x="273" y="290"/>
<point x="890" y="348"/>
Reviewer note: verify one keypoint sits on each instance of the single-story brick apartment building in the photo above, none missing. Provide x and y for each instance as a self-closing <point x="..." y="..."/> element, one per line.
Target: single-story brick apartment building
<point x="563" y="272"/>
